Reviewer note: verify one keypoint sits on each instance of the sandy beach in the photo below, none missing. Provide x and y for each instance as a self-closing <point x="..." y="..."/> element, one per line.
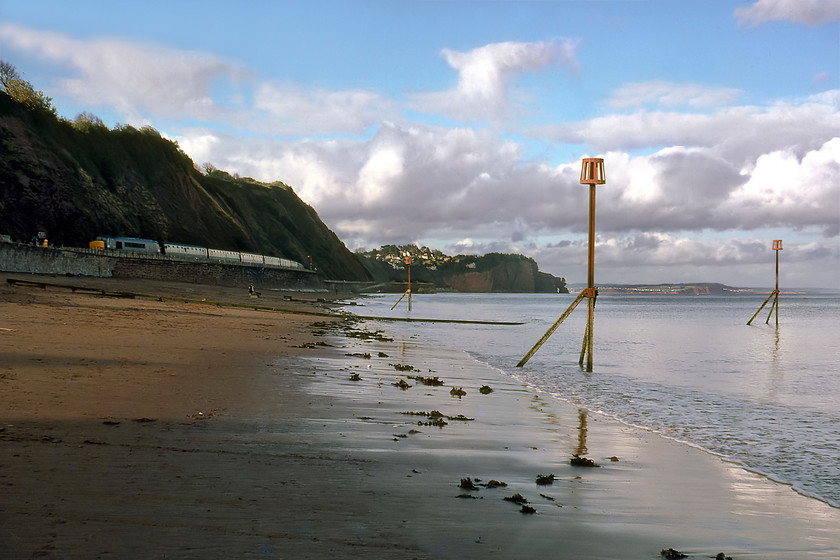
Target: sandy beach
<point x="162" y="428"/>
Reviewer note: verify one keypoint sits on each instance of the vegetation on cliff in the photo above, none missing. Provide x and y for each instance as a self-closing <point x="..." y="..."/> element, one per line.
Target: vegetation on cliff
<point x="494" y="272"/>
<point x="76" y="180"/>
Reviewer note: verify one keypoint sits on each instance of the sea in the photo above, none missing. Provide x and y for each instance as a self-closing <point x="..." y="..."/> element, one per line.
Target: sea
<point x="686" y="367"/>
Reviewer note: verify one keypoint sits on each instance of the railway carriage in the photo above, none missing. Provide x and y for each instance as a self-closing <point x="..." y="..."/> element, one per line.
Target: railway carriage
<point x="173" y="249"/>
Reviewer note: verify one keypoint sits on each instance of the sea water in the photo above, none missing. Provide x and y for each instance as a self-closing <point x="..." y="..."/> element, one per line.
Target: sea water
<point x="687" y="367"/>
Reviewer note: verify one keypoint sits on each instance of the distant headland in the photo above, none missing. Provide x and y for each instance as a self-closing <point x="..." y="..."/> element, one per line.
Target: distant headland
<point x="683" y="289"/>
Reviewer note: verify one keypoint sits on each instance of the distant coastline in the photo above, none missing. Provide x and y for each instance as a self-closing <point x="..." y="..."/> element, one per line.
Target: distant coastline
<point x="693" y="289"/>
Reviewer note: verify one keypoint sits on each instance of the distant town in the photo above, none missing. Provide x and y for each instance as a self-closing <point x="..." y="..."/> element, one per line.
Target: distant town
<point x="395" y="256"/>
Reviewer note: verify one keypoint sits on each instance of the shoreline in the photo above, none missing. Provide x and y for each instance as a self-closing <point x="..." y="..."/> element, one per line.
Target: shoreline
<point x="700" y="448"/>
<point x="707" y="504"/>
<point x="232" y="432"/>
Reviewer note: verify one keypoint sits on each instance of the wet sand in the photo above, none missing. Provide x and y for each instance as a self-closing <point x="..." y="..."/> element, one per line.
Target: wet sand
<point x="138" y="428"/>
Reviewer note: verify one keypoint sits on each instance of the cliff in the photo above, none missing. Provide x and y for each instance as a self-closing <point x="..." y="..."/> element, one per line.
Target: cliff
<point x="75" y="181"/>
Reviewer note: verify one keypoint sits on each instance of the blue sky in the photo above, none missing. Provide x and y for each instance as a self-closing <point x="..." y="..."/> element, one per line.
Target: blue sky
<point x="460" y="124"/>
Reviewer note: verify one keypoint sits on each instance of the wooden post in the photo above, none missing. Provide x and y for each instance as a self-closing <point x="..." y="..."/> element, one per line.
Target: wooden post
<point x="760" y="308"/>
<point x="399" y="300"/>
<point x="408" y="291"/>
<point x="774" y="305"/>
<point x="550" y="330"/>
<point x="590" y="284"/>
<point x="591" y="173"/>
<point x="777" y="246"/>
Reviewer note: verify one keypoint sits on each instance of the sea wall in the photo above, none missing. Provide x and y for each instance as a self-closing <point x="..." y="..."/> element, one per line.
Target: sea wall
<point x="15" y="257"/>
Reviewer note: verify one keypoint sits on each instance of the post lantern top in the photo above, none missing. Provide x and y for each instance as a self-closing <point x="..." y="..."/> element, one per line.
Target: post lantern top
<point x="592" y="171"/>
<point x="777" y="244"/>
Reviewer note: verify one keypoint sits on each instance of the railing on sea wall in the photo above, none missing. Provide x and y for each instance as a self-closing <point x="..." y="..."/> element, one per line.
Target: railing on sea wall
<point x="285" y="264"/>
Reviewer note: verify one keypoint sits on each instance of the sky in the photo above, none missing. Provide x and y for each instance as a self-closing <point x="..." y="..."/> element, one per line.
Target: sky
<point x="461" y="125"/>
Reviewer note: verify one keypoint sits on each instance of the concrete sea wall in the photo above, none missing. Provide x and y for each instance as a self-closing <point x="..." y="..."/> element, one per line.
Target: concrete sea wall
<point x="16" y="257"/>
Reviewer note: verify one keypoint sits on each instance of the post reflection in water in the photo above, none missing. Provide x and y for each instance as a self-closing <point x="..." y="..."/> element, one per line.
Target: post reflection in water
<point x="776" y="370"/>
<point x="581" y="448"/>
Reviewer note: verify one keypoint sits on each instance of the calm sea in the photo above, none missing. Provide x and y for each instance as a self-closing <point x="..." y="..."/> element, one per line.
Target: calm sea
<point x="686" y="367"/>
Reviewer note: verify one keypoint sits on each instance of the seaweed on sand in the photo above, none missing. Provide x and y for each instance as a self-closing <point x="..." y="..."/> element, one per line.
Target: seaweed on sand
<point x="467" y="484"/>
<point x="402" y="384"/>
<point x="430" y="381"/>
<point x="516" y="499"/>
<point x="545" y="479"/>
<point x="578" y="461"/>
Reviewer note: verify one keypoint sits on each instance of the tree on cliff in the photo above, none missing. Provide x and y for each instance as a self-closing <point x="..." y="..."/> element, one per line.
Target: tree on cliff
<point x="22" y="91"/>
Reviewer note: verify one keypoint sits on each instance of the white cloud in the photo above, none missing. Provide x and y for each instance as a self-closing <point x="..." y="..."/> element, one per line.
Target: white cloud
<point x="484" y="76"/>
<point x="785" y="190"/>
<point x="199" y="146"/>
<point x="809" y="12"/>
<point x="288" y="110"/>
<point x="383" y="169"/>
<point x="669" y="94"/>
<point x="415" y="183"/>
<point x="135" y="79"/>
<point x="741" y="133"/>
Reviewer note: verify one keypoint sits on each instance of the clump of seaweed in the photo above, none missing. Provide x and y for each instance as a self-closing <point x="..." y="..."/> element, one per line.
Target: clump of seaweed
<point x="495" y="484"/>
<point x="437" y="415"/>
<point x="402" y="384"/>
<point x="527" y="509"/>
<point x="311" y="345"/>
<point x="403" y="367"/>
<point x="347" y="328"/>
<point x="430" y="381"/>
<point x="545" y="479"/>
<point x="485" y="390"/>
<point x="578" y="461"/>
<point x="432" y="414"/>
<point x="467" y="484"/>
<point x="355" y="377"/>
<point x="457" y="392"/>
<point x="671" y="554"/>
<point x="363" y="355"/>
<point x="516" y="499"/>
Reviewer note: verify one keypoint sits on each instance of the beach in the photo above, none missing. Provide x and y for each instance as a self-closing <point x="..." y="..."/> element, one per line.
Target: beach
<point x="173" y="427"/>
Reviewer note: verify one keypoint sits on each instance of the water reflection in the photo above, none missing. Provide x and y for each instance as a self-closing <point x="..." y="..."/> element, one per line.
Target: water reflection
<point x="776" y="369"/>
<point x="581" y="447"/>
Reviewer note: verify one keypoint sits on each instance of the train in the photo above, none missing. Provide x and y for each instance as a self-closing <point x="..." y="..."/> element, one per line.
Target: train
<point x="180" y="250"/>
